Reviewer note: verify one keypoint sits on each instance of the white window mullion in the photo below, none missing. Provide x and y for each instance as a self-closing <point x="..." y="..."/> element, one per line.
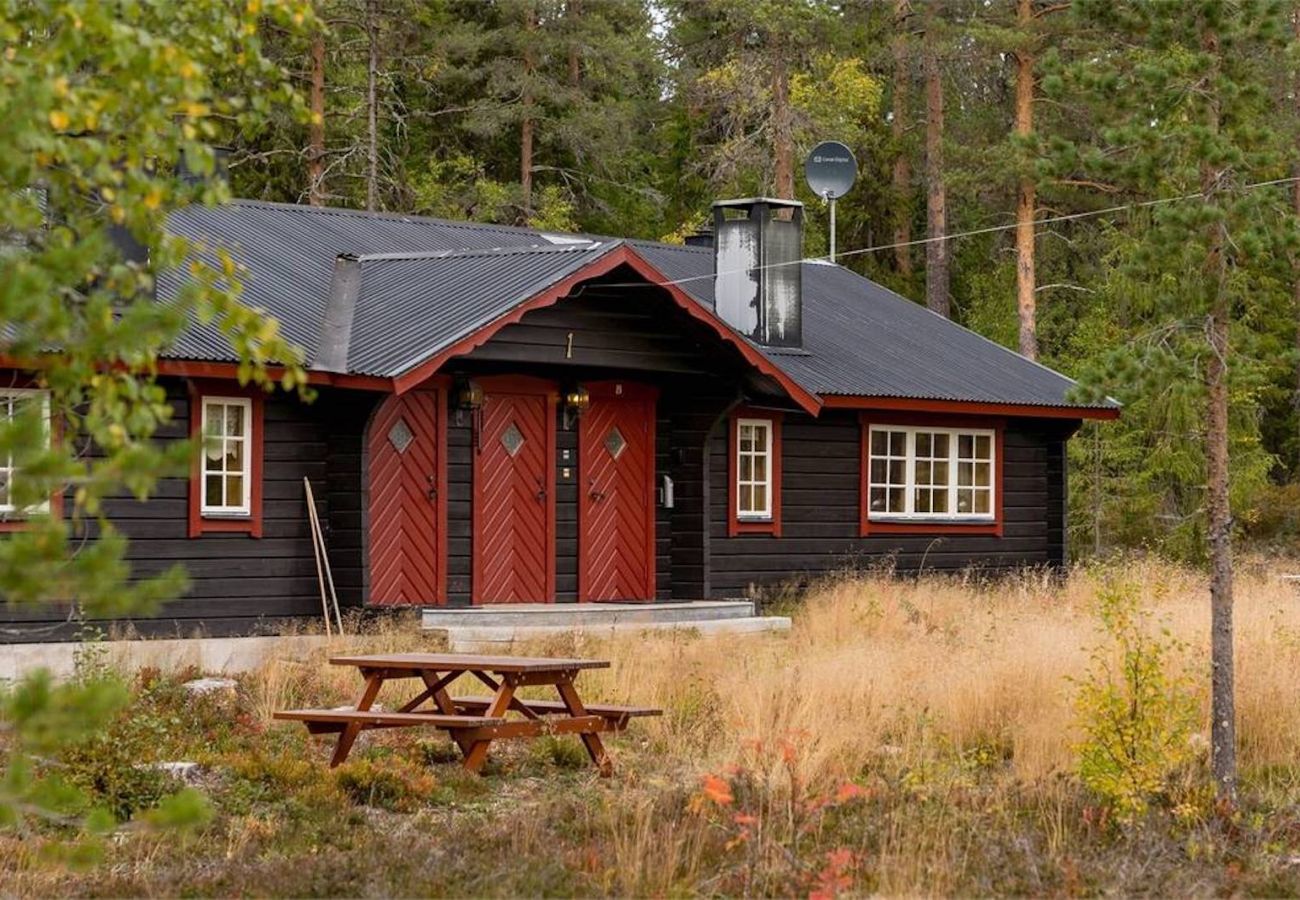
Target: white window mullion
<point x="909" y="476"/>
<point x="953" y="455"/>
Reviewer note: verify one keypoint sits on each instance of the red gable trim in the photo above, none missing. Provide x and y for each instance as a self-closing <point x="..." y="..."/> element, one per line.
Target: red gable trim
<point x="966" y="407"/>
<point x="621" y="255"/>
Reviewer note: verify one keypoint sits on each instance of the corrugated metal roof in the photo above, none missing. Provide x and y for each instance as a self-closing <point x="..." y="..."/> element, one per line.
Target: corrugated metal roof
<point x="411" y="308"/>
<point x="439" y="281"/>
<point x="289" y="251"/>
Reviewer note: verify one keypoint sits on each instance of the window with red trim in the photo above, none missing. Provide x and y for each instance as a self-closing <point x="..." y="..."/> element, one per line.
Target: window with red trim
<point x="929" y="475"/>
<point x="14" y="402"/>
<point x="226" y="480"/>
<point x="754" y="483"/>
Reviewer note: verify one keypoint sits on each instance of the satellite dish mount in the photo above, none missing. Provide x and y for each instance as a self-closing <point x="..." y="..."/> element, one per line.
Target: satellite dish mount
<point x="831" y="170"/>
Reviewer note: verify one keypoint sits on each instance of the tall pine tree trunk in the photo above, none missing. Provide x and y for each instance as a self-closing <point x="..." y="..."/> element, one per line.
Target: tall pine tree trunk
<point x="898" y="128"/>
<point x="573" y="12"/>
<point x="782" y="129"/>
<point x="1223" y="731"/>
<point x="1026" y="199"/>
<point x="372" y="104"/>
<point x="316" y="131"/>
<point x="526" y="125"/>
<point x="936" y="199"/>
<point x="1295" y="209"/>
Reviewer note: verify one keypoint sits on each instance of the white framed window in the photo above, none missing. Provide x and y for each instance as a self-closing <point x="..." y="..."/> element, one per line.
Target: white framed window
<point x="13" y="401"/>
<point x="927" y="474"/>
<point x="754" y="469"/>
<point x="226" y="478"/>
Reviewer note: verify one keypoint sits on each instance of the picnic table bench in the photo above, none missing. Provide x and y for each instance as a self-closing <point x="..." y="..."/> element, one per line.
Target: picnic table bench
<point x="475" y="721"/>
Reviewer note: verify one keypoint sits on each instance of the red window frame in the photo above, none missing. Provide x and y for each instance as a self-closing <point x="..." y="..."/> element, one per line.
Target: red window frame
<point x="736" y="525"/>
<point x="921" y="420"/>
<point x="14" y="521"/>
<point x="251" y="524"/>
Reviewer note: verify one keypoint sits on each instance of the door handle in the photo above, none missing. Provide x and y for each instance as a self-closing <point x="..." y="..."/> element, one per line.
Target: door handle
<point x="595" y="495"/>
<point x="541" y="491"/>
<point x="433" y="489"/>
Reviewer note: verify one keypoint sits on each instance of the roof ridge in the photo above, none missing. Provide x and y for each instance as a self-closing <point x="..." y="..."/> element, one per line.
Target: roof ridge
<point x="482" y="251"/>
<point x="367" y="214"/>
<point x="663" y="245"/>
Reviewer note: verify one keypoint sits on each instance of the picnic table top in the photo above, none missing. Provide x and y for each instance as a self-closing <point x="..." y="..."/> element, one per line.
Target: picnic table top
<point x="466" y="662"/>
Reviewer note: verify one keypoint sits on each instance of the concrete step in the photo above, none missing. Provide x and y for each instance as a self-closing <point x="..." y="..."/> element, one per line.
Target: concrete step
<point x="569" y="615"/>
<point x="478" y="639"/>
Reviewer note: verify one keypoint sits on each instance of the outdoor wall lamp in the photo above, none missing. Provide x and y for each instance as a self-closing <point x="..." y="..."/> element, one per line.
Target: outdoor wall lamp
<point x="469" y="395"/>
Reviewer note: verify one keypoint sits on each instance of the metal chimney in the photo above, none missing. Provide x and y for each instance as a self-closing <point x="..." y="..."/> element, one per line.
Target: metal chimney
<point x="758" y="278"/>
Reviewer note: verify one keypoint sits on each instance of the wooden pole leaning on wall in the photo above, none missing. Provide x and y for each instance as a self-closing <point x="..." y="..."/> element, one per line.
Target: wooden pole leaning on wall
<point x="324" y="574"/>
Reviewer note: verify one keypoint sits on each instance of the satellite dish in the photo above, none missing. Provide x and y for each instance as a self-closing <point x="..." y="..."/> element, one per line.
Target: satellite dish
<point x="830" y="170"/>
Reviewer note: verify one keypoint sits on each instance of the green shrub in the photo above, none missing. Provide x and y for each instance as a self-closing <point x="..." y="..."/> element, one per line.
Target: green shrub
<point x="559" y="752"/>
<point x="1136" y="717"/>
<point x="113" y="773"/>
<point x="386" y="783"/>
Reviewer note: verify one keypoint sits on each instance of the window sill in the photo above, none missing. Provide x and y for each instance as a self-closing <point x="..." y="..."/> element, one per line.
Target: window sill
<point x="769" y="526"/>
<point x="229" y="524"/>
<point x="931" y="526"/>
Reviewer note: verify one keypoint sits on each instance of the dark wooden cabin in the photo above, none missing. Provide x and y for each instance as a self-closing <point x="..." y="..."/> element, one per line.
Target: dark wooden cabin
<point x="505" y="416"/>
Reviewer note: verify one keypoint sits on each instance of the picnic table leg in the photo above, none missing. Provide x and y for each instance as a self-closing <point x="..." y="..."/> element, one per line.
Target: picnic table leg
<point x="350" y="731"/>
<point x="477" y="754"/>
<point x="438" y="690"/>
<point x="595" y="747"/>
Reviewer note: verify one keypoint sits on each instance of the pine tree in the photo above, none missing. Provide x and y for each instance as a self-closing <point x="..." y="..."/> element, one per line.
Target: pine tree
<point x="937" y="250"/>
<point x="1185" y="119"/>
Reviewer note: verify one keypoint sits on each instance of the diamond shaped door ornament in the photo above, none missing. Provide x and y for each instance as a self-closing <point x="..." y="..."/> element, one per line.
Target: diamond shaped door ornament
<point x="400" y="435"/>
<point x="512" y="439"/>
<point x="615" y="443"/>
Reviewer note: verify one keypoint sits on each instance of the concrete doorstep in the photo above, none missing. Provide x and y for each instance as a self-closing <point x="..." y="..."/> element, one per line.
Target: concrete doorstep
<point x="500" y="638"/>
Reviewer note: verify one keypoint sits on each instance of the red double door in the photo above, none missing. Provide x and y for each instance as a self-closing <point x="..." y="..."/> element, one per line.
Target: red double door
<point x="515" y="472"/>
<point x="515" y="476"/>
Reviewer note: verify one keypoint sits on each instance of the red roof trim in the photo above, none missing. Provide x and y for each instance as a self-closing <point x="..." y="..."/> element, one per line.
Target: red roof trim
<point x="967" y="407"/>
<point x="620" y="255"/>
<point x="230" y="371"/>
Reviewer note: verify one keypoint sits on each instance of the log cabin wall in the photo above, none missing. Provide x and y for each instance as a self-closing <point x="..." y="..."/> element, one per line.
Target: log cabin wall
<point x="241" y="584"/>
<point x="821" y="508"/>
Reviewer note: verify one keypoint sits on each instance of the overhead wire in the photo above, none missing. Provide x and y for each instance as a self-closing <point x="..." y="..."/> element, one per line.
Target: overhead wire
<point x="876" y="248"/>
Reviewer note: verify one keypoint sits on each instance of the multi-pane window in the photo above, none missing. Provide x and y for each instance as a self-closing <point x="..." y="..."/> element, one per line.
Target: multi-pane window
<point x="13" y="402"/>
<point x="930" y="473"/>
<point x="227" y="475"/>
<point x="753" y="468"/>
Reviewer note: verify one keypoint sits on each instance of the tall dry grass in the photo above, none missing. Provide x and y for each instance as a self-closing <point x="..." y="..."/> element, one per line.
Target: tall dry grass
<point x="910" y="669"/>
<point x="907" y="667"/>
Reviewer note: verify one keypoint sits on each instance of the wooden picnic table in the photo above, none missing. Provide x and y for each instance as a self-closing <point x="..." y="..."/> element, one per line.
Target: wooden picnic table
<point x="473" y="722"/>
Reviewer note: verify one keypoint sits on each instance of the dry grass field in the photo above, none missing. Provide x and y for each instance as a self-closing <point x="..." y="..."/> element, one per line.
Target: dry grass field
<point x="909" y="736"/>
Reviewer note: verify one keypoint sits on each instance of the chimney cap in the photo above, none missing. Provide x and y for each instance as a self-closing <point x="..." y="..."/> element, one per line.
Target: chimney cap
<point x="752" y="201"/>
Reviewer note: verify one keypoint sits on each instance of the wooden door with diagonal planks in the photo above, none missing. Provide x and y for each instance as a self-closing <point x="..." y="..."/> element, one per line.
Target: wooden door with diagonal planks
<point x="514" y="493"/>
<point x="616" y="495"/>
<point x="405" y="526"/>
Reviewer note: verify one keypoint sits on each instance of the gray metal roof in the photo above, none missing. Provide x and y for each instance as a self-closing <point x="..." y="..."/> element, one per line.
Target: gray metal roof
<point x="427" y="283"/>
<point x="409" y="308"/>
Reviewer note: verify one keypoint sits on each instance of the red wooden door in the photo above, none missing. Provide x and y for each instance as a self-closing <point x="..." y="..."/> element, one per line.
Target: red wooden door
<point x="407" y="526"/>
<point x="616" y="495"/>
<point x="514" y="493"/>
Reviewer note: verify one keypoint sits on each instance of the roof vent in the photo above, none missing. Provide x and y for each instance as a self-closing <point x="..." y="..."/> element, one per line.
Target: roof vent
<point x="758" y="278"/>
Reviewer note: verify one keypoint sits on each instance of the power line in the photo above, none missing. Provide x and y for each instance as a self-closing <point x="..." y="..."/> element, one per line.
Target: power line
<point x="1051" y="220"/>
